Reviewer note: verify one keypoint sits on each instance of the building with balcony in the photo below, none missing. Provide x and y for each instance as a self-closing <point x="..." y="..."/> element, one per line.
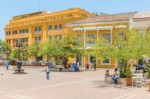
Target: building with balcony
<point x="41" y="26"/>
<point x="44" y="26"/>
<point x="90" y="30"/>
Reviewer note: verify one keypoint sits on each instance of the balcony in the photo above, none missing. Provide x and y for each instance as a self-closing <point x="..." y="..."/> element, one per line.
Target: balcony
<point x="38" y="32"/>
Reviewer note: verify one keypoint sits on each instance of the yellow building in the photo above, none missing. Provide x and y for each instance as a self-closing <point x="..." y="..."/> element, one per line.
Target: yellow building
<point x="41" y="26"/>
<point x="96" y="27"/>
<point x="44" y="26"/>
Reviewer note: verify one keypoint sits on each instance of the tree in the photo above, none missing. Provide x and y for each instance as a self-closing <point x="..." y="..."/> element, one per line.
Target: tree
<point x="131" y="45"/>
<point x="5" y="49"/>
<point x="61" y="50"/>
<point x="22" y="52"/>
<point x="71" y="46"/>
<point x="35" y="50"/>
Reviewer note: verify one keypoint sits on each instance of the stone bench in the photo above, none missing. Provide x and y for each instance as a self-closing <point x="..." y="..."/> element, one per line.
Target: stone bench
<point x="19" y="70"/>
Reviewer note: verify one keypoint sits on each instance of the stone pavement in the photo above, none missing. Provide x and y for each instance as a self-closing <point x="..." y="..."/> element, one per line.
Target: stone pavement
<point x="63" y="85"/>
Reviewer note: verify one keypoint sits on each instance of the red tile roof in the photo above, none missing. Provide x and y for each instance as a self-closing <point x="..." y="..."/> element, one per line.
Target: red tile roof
<point x="106" y="18"/>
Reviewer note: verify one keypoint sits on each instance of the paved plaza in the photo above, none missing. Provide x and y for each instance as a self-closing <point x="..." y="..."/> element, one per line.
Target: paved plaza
<point x="63" y="85"/>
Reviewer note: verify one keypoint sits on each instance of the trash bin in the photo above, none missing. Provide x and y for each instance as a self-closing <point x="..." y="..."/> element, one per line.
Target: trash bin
<point x="19" y="65"/>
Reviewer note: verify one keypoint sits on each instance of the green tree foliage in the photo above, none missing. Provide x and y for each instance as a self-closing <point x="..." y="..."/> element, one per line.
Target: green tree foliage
<point x="71" y="46"/>
<point x="5" y="49"/>
<point x="61" y="50"/>
<point x="131" y="45"/>
<point x="23" y="52"/>
<point x="35" y="50"/>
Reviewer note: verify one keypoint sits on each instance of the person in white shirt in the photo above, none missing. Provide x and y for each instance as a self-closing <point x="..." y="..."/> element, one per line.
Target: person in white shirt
<point x="48" y="72"/>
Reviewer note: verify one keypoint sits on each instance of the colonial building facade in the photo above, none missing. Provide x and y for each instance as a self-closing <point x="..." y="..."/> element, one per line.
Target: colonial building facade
<point x="43" y="26"/>
<point x="105" y="26"/>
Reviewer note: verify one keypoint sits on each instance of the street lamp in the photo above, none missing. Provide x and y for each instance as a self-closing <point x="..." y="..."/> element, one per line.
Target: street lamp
<point x="24" y="51"/>
<point x="19" y="45"/>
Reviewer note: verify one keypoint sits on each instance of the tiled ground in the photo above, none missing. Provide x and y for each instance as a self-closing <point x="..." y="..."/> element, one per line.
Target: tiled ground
<point x="63" y="85"/>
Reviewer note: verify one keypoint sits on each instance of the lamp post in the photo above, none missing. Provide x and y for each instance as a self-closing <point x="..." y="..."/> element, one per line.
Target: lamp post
<point x="19" y="45"/>
<point x="25" y="52"/>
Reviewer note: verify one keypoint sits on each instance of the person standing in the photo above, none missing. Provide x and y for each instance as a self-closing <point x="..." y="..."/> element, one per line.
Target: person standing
<point x="87" y="66"/>
<point x="78" y="66"/>
<point x="48" y="73"/>
<point x="94" y="64"/>
<point x="7" y="64"/>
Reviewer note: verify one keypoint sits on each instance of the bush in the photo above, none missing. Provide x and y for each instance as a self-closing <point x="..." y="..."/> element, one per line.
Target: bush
<point x="122" y="74"/>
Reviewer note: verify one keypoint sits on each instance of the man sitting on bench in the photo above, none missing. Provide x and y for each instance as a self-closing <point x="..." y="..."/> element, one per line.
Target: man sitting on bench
<point x="116" y="76"/>
<point x="140" y="66"/>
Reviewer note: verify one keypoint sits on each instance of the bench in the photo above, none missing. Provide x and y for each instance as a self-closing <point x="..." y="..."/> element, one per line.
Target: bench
<point x="19" y="70"/>
<point x="140" y="67"/>
<point x="60" y="68"/>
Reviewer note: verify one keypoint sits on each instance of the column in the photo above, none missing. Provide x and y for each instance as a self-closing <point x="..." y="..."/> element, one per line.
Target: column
<point x="97" y="34"/>
<point x="111" y="30"/>
<point x="84" y="47"/>
<point x="30" y="36"/>
<point x="84" y="39"/>
<point x="45" y="33"/>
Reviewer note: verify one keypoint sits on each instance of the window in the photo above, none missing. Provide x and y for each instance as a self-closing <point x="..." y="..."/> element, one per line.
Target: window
<point x="60" y="26"/>
<point x="37" y="39"/>
<point x="38" y="29"/>
<point x="26" y="39"/>
<point x="50" y="28"/>
<point x="21" y="31"/>
<point x="106" y="61"/>
<point x="9" y="41"/>
<point x="23" y="40"/>
<point x="26" y="30"/>
<point x="107" y="38"/>
<point x="8" y="33"/>
<point x="14" y="32"/>
<point x="56" y="27"/>
<point x="91" y="39"/>
<point x="16" y="40"/>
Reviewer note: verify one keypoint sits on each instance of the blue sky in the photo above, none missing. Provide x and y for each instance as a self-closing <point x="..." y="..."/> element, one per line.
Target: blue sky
<point x="9" y="8"/>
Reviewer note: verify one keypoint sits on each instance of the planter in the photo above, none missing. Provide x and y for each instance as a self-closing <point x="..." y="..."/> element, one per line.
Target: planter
<point x="129" y="81"/>
<point x="122" y="81"/>
<point x="149" y="86"/>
